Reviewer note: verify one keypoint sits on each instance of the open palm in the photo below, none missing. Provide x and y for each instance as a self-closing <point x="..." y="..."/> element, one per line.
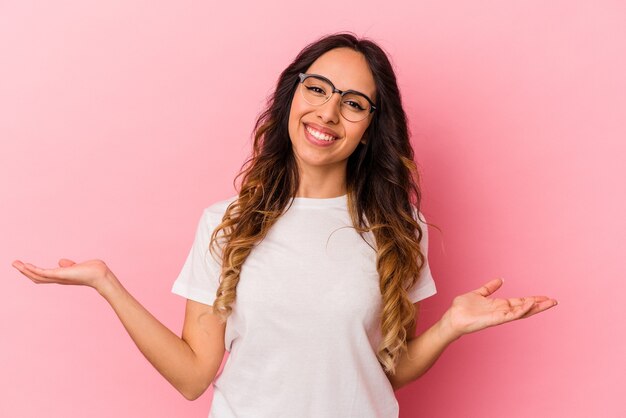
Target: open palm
<point x="474" y="310"/>
<point x="88" y="273"/>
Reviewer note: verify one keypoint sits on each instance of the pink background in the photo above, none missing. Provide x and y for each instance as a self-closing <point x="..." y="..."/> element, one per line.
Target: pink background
<point x="121" y="120"/>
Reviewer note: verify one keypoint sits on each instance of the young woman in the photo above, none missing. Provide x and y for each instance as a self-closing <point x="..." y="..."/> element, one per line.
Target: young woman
<point x="311" y="276"/>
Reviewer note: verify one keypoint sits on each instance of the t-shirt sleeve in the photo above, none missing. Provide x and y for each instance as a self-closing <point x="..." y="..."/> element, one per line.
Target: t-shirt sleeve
<point x="425" y="285"/>
<point x="199" y="278"/>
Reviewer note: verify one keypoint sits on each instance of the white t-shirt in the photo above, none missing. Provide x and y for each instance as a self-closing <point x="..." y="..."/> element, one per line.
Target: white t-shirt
<point x="305" y="325"/>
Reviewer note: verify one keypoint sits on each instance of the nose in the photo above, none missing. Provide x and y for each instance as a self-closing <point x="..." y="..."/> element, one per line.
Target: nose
<point x="329" y="111"/>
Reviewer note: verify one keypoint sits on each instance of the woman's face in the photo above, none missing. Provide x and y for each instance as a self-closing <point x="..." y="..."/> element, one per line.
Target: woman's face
<point x="347" y="70"/>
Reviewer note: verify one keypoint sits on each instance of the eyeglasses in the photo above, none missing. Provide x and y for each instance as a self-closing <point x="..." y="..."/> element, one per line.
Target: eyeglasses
<point x="317" y="90"/>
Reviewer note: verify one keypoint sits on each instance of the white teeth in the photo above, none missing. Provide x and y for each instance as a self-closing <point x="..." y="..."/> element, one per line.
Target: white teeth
<point x="319" y="135"/>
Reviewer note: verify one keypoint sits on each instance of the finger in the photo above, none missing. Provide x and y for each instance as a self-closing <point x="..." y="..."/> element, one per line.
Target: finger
<point x="489" y="287"/>
<point x="32" y="276"/>
<point x="543" y="302"/>
<point x="517" y="301"/>
<point x="520" y="301"/>
<point x="64" y="262"/>
<point x="540" y="307"/>
<point x="47" y="273"/>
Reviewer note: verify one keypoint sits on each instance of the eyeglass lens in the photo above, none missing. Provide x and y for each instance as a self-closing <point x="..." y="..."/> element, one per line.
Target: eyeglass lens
<point x="353" y="107"/>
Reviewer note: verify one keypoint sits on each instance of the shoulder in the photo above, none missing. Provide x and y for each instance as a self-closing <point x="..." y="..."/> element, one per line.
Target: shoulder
<point x="214" y="213"/>
<point x="418" y="216"/>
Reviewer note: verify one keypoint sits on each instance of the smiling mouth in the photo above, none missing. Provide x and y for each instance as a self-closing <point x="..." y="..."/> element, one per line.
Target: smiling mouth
<point x="320" y="135"/>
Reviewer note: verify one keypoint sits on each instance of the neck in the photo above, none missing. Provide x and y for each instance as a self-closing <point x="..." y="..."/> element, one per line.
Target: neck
<point x="326" y="183"/>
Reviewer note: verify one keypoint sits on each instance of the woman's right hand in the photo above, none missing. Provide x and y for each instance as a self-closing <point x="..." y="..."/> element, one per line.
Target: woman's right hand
<point x="92" y="273"/>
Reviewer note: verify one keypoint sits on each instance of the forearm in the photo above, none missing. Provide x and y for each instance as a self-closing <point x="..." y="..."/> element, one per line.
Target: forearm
<point x="169" y="354"/>
<point x="422" y="352"/>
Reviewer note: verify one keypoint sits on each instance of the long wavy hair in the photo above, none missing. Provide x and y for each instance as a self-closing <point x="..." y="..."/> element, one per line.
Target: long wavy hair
<point x="382" y="185"/>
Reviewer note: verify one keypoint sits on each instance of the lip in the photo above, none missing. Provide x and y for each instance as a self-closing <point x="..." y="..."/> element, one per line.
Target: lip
<point x="317" y="142"/>
<point x="322" y="129"/>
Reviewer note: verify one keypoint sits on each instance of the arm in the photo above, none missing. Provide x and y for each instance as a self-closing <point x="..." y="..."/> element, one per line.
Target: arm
<point x="189" y="363"/>
<point x="422" y="352"/>
<point x="470" y="312"/>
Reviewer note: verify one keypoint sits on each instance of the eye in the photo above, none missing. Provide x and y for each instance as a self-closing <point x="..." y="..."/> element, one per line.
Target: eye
<point x="354" y="105"/>
<point x="317" y="90"/>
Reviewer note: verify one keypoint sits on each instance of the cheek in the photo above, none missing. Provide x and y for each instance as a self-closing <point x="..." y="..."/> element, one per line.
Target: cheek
<point x="355" y="133"/>
<point x="297" y="108"/>
<point x="295" y="113"/>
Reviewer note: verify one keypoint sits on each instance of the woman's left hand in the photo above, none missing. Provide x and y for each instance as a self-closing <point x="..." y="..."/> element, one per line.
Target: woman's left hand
<point x="474" y="311"/>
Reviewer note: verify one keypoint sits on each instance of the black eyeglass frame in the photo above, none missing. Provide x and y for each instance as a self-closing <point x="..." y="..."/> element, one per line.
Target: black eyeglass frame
<point x="303" y="76"/>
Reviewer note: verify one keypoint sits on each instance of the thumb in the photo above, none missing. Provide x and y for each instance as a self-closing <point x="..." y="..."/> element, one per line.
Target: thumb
<point x="64" y="262"/>
<point x="489" y="287"/>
